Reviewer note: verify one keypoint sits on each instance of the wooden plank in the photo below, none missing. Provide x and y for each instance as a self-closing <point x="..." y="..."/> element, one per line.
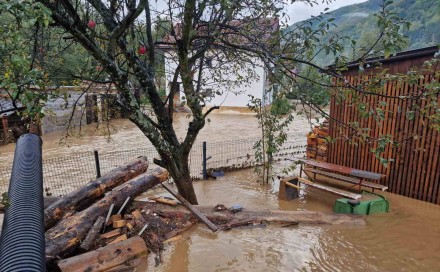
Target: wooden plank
<point x="292" y="185"/>
<point x="111" y="233"/>
<point x="384" y="123"/>
<point x="434" y="169"/>
<point x="429" y="161"/>
<point x="114" y="218"/>
<point x="136" y="214"/>
<point x="389" y="127"/>
<point x="421" y="174"/>
<point x="121" y="238"/>
<point x="436" y="197"/>
<point x="374" y="163"/>
<point x="399" y="188"/>
<point x="436" y="185"/>
<point x="167" y="201"/>
<point x="414" y="152"/>
<point x="93" y="234"/>
<point x="119" y="224"/>
<point x="331" y="122"/>
<point x="396" y="129"/>
<point x="372" y="125"/>
<point x="329" y="189"/>
<point x="333" y="175"/>
<point x="191" y="208"/>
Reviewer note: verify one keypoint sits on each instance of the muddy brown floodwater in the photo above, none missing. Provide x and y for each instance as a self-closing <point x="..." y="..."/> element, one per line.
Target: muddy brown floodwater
<point x="405" y="239"/>
<point x="125" y="135"/>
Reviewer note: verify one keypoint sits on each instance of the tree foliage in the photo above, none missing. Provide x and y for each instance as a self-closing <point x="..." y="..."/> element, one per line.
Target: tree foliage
<point x="20" y="72"/>
<point x="273" y="135"/>
<point x="124" y="42"/>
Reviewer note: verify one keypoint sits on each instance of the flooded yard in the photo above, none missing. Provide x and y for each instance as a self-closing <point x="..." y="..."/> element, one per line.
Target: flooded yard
<point x="405" y="239"/>
<point x="125" y="135"/>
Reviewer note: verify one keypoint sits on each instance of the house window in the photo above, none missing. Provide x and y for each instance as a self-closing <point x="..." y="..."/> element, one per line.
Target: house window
<point x="208" y="62"/>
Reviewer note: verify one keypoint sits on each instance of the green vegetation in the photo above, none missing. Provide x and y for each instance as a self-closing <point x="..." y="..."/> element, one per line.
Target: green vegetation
<point x="273" y="135"/>
<point x="19" y="67"/>
<point x="119" y="42"/>
<point x="359" y="23"/>
<point x="311" y="86"/>
<point x="280" y="106"/>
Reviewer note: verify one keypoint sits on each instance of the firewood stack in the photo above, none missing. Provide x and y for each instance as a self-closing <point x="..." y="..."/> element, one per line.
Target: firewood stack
<point x="132" y="234"/>
<point x="96" y="228"/>
<point x="317" y="143"/>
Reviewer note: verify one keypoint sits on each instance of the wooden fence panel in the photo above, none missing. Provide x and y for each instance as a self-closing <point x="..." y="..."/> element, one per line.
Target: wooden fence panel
<point x="415" y="171"/>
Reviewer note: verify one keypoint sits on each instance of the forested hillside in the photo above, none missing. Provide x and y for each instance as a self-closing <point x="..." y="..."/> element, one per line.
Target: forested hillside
<point x="358" y="22"/>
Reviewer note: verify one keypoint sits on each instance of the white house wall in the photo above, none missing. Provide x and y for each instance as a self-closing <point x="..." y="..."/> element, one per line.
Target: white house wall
<point x="236" y="96"/>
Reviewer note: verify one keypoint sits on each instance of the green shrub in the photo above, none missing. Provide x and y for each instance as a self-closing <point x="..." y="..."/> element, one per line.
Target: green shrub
<point x="280" y="106"/>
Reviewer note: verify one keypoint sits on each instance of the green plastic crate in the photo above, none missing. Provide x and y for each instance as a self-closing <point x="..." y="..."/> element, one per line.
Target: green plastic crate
<point x="370" y="203"/>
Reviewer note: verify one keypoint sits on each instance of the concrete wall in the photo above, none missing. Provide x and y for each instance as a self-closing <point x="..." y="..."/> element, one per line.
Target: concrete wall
<point x="58" y="112"/>
<point x="90" y="108"/>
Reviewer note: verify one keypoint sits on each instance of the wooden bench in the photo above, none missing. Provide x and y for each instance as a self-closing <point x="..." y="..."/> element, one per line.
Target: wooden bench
<point x="350" y="175"/>
<point x="347" y="179"/>
<point x="287" y="193"/>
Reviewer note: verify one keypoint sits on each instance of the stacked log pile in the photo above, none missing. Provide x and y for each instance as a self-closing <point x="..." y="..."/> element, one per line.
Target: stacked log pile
<point x="97" y="219"/>
<point x="317" y="142"/>
<point x="107" y="226"/>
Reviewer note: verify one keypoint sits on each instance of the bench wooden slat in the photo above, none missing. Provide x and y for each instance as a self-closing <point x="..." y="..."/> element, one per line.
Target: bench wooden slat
<point x="347" y="179"/>
<point x="366" y="174"/>
<point x="332" y="190"/>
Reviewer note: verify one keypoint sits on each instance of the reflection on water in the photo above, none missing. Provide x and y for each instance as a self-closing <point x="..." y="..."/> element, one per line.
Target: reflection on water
<point x="405" y="239"/>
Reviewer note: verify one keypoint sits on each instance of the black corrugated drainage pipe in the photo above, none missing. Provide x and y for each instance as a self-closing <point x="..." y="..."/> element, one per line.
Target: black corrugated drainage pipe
<point x="22" y="239"/>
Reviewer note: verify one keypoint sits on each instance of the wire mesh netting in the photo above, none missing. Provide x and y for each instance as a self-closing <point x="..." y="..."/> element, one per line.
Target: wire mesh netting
<point x="62" y="175"/>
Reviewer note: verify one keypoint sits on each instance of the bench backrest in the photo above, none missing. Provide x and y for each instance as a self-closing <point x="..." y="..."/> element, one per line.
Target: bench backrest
<point x="343" y="169"/>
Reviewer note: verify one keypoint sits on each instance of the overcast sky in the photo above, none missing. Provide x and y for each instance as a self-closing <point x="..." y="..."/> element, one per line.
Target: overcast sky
<point x="300" y="11"/>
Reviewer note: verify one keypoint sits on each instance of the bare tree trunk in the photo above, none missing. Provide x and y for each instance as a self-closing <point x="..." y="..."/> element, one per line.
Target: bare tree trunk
<point x="184" y="183"/>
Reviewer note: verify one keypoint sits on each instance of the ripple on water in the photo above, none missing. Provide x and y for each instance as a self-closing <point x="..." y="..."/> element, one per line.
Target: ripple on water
<point x="406" y="239"/>
<point x="256" y="249"/>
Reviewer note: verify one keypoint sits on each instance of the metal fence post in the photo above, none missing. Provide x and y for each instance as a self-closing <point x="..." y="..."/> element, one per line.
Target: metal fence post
<point x="205" y="174"/>
<point x="98" y="166"/>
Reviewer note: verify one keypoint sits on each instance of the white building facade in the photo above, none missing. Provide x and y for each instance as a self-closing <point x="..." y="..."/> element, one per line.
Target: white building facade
<point x="223" y="84"/>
